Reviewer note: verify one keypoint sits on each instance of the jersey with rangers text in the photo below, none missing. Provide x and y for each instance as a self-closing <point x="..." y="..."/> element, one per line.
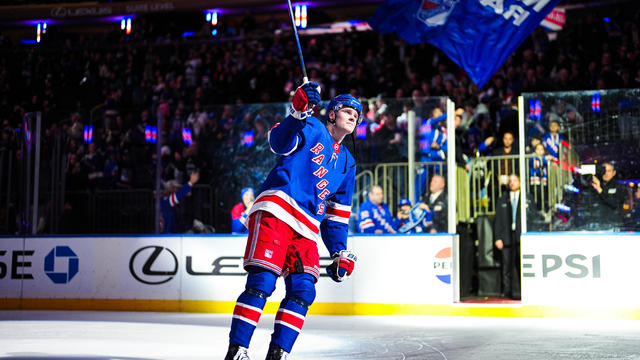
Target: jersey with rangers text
<point x="311" y="186"/>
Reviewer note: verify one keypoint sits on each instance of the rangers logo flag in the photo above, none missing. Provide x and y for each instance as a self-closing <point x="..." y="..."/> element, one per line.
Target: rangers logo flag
<point x="478" y="35"/>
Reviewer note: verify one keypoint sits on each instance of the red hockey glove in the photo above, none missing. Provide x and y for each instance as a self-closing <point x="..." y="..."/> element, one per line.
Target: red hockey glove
<point x="342" y="266"/>
<point x="307" y="94"/>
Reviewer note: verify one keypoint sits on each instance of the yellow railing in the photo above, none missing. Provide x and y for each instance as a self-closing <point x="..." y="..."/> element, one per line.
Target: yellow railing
<point x="364" y="180"/>
<point x="487" y="181"/>
<point x="394" y="179"/>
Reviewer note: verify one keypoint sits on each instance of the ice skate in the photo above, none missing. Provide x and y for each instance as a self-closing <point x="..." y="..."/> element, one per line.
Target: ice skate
<point x="237" y="352"/>
<point x="276" y="353"/>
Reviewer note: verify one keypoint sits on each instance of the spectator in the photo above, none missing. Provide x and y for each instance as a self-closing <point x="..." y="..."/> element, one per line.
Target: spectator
<point x="534" y="140"/>
<point x="431" y="139"/>
<point x="435" y="203"/>
<point x="402" y="216"/>
<point x="387" y="139"/>
<point x="93" y="164"/>
<point x="504" y="167"/>
<point x="419" y="104"/>
<point x="480" y="135"/>
<point x="171" y="221"/>
<point x="240" y="211"/>
<point x="111" y="169"/>
<point x="374" y="216"/>
<point x="507" y="231"/>
<point x="564" y="114"/>
<point x="508" y="117"/>
<point x="609" y="199"/>
<point x="552" y="139"/>
<point x="538" y="177"/>
<point x="634" y="216"/>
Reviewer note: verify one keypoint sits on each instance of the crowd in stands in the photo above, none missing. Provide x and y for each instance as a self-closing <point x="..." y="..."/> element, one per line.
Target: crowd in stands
<point x="122" y="84"/>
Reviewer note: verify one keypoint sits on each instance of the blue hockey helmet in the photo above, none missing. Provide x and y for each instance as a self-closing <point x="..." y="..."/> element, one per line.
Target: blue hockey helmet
<point x="347" y="100"/>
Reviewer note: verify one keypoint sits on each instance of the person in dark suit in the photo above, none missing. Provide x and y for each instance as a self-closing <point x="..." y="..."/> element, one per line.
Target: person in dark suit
<point x="435" y="203"/>
<point x="507" y="231"/>
<point x="609" y="199"/>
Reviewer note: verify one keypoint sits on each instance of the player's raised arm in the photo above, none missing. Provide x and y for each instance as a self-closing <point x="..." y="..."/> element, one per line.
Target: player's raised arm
<point x="284" y="137"/>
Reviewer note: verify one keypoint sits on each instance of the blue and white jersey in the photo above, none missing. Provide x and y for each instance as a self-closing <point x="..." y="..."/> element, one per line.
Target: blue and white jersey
<point x="552" y="144"/>
<point x="311" y="186"/>
<point x="538" y="171"/>
<point x="170" y="219"/>
<point x="375" y="217"/>
<point x="428" y="133"/>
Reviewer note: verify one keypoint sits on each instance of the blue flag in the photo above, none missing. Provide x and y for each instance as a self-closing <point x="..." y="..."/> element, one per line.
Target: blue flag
<point x="478" y="35"/>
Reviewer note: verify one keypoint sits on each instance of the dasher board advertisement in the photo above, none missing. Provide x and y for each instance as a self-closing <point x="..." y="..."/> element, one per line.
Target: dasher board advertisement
<point x="580" y="269"/>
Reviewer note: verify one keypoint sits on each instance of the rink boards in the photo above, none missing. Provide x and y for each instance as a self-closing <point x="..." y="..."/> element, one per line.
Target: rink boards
<point x="563" y="274"/>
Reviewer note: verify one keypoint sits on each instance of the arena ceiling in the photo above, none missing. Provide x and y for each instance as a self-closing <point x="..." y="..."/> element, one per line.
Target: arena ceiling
<point x="68" y="12"/>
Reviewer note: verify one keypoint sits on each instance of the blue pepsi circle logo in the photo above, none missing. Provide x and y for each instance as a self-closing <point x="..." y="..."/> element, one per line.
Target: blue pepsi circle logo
<point x="442" y="265"/>
<point x="61" y="276"/>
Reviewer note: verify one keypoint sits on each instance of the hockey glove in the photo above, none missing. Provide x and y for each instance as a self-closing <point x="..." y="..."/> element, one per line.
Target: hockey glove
<point x="342" y="266"/>
<point x="307" y="94"/>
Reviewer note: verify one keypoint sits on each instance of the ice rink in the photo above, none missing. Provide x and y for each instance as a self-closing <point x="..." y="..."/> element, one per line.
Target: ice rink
<point x="161" y="336"/>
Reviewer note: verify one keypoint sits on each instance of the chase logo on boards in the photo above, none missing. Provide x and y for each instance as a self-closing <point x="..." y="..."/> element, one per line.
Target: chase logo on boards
<point x="153" y="265"/>
<point x="61" y="275"/>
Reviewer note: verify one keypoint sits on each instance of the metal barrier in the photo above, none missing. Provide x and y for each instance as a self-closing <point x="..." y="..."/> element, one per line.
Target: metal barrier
<point x="488" y="180"/>
<point x="363" y="181"/>
<point x="544" y="181"/>
<point x="489" y="177"/>
<point x="394" y="179"/>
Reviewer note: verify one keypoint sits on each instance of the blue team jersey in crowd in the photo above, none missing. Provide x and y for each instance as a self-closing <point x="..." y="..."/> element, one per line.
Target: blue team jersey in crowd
<point x="170" y="221"/>
<point x="375" y="217"/>
<point x="238" y="219"/>
<point x="311" y="186"/>
<point x="428" y="133"/>
<point x="552" y="146"/>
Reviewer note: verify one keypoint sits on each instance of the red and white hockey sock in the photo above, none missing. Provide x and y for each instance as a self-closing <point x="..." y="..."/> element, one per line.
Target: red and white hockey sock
<point x="288" y="324"/>
<point x="246" y="315"/>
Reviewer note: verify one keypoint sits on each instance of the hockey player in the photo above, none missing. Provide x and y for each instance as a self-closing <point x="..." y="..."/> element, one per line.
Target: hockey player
<point x="305" y="201"/>
<point x="374" y="216"/>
